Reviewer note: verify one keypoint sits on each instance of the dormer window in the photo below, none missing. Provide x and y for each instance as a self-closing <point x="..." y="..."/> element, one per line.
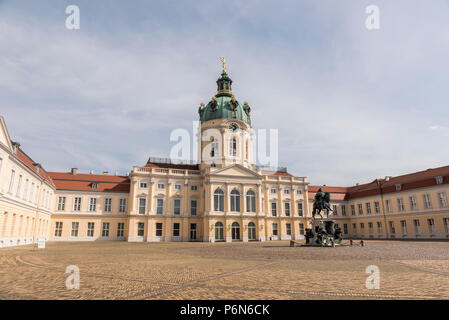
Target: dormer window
<point x="439" y="179"/>
<point x="94" y="185"/>
<point x="398" y="187"/>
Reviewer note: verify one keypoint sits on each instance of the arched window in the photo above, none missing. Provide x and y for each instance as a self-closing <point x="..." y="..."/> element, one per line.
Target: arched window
<point x="235" y="231"/>
<point x="250" y="201"/>
<point x="219" y="235"/>
<point x="235" y="200"/>
<point x="251" y="231"/>
<point x="214" y="149"/>
<point x="232" y="147"/>
<point x="218" y="200"/>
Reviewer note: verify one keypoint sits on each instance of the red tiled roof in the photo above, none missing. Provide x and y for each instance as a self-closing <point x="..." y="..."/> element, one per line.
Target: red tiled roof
<point x="174" y="166"/>
<point x="337" y="193"/>
<point x="30" y="163"/>
<point x="83" y="182"/>
<point x="282" y="174"/>
<point x="409" y="181"/>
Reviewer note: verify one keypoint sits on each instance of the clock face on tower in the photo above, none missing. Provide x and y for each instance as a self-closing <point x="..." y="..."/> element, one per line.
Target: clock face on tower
<point x="233" y="126"/>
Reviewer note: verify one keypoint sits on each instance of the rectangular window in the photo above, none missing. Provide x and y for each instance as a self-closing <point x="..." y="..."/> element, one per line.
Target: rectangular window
<point x="300" y="212"/>
<point x="159" y="206"/>
<point x="107" y="204"/>
<point x="143" y="185"/>
<point x="388" y="205"/>
<point x="140" y="229"/>
<point x="392" y="229"/>
<point x="362" y="228"/>
<point x="232" y="147"/>
<point x="413" y="204"/>
<point x="36" y="195"/>
<point x="121" y="229"/>
<point x="77" y="204"/>
<point x="379" y="228"/>
<point x="417" y="226"/>
<point x="193" y="188"/>
<point x="11" y="181"/>
<point x="31" y="192"/>
<point x="400" y="204"/>
<point x="275" y="229"/>
<point x="193" y="207"/>
<point x="442" y="199"/>
<point x="93" y="204"/>
<point x="122" y="205"/>
<point x="286" y="191"/>
<point x="177" y="207"/>
<point x="177" y="187"/>
<point x="105" y="231"/>
<point x="19" y="185"/>
<point x="25" y="191"/>
<point x="287" y="209"/>
<point x="354" y="228"/>
<point x="142" y="205"/>
<point x="335" y="210"/>
<point x="427" y="201"/>
<point x="301" y="229"/>
<point x="352" y="210"/>
<point x="404" y="226"/>
<point x="58" y="228"/>
<point x="446" y="225"/>
<point x="161" y="186"/>
<point x="360" y="208"/>
<point x="376" y="207"/>
<point x="288" y="229"/>
<point x="345" y="228"/>
<point x="299" y="192"/>
<point x="61" y="203"/>
<point x="370" y="227"/>
<point x="368" y="207"/>
<point x="343" y="210"/>
<point x="159" y="229"/>
<point x="273" y="209"/>
<point x="273" y="190"/>
<point x="90" y="229"/>
<point x="431" y="224"/>
<point x="75" y="226"/>
<point x="175" y="229"/>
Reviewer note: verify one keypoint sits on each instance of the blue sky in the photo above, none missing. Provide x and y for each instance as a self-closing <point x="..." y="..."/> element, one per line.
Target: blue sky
<point x="350" y="104"/>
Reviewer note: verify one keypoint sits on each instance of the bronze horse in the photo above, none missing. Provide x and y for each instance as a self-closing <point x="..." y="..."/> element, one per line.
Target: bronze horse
<point x="321" y="203"/>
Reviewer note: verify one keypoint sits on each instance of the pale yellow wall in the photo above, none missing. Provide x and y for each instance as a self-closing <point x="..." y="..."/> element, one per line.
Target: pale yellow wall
<point x="409" y="215"/>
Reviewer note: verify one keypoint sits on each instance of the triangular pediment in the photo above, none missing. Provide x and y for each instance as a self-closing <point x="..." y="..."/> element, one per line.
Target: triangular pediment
<point x="5" y="140"/>
<point x="236" y="170"/>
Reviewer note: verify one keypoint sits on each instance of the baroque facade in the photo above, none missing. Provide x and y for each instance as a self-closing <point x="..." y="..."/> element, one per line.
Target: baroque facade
<point x="222" y="197"/>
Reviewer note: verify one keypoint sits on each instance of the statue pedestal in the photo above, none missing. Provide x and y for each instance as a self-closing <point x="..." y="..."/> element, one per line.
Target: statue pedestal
<point x="323" y="233"/>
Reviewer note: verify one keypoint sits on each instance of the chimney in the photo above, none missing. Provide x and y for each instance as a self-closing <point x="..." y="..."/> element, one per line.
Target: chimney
<point x="74" y="171"/>
<point x="105" y="172"/>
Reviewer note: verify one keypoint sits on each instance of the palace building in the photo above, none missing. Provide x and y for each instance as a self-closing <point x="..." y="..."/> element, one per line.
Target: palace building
<point x="222" y="197"/>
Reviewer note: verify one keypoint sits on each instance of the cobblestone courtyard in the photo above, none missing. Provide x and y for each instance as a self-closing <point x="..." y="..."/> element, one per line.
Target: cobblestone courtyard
<point x="267" y="270"/>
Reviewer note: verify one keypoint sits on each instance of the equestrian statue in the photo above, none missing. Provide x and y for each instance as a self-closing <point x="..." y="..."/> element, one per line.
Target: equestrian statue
<point x="321" y="203"/>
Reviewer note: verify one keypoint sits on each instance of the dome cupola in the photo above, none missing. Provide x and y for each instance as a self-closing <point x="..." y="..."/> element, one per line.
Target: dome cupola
<point x="223" y="104"/>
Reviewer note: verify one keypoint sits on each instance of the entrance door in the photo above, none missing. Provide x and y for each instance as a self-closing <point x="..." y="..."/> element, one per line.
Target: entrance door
<point x="235" y="231"/>
<point x="251" y="231"/>
<point x="193" y="231"/>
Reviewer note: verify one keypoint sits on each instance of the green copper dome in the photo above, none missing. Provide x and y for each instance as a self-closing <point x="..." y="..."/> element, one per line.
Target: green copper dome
<point x="224" y="105"/>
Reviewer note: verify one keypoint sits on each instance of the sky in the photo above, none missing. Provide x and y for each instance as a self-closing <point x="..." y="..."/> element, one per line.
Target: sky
<point x="350" y="104"/>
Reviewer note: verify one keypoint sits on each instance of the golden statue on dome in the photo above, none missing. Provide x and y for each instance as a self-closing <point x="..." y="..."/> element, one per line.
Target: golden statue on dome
<point x="223" y="63"/>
